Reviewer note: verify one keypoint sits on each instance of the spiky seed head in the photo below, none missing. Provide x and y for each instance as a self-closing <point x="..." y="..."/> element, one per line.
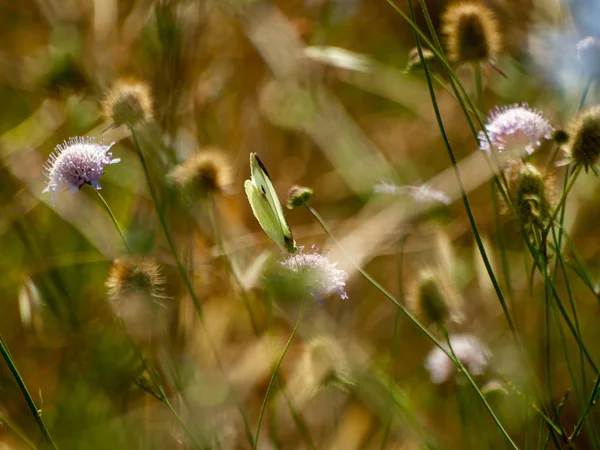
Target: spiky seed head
<point x="432" y="298"/>
<point x="205" y="173"/>
<point x="299" y="196"/>
<point x="472" y="33"/>
<point x="128" y="102"/>
<point x="130" y="275"/>
<point x="531" y="193"/>
<point x="583" y="147"/>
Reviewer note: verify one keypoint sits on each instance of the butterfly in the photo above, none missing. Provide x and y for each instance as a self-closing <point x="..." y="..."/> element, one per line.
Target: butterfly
<point x="266" y="206"/>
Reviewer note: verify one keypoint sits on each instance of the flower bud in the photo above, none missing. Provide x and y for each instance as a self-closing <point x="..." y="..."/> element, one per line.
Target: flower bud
<point x="299" y="196"/>
<point x="583" y="147"/>
<point x="128" y="103"/>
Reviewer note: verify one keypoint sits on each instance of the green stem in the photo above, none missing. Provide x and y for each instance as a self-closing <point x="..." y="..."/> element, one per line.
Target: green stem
<point x="396" y="338"/>
<point x="414" y="320"/>
<point x="113" y="218"/>
<point x="585" y="92"/>
<point x="465" y="200"/>
<point x="275" y="372"/>
<point x="165" y="226"/>
<point x="184" y="274"/>
<point x="211" y="207"/>
<point x="478" y="86"/>
<point x="561" y="202"/>
<point x="37" y="413"/>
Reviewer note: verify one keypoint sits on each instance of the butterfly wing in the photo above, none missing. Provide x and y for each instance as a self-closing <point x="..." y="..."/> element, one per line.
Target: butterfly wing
<point x="263" y="213"/>
<point x="264" y="188"/>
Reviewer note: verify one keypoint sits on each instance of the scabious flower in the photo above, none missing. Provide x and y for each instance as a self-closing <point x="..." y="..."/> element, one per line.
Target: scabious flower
<point x="515" y="127"/>
<point x="206" y="172"/>
<point x="321" y="276"/>
<point x="468" y="349"/>
<point x="472" y="33"/>
<point x="75" y="162"/>
<point x="588" y="52"/>
<point x="421" y="194"/>
<point x="299" y="196"/>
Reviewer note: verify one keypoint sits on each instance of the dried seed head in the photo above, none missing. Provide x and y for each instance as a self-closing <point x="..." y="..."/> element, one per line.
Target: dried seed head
<point x="583" y="147"/>
<point x="128" y="102"/>
<point x="134" y="276"/>
<point x="204" y="173"/>
<point x="299" y="196"/>
<point x="530" y="192"/>
<point x="432" y="298"/>
<point x="135" y="288"/>
<point x="472" y="33"/>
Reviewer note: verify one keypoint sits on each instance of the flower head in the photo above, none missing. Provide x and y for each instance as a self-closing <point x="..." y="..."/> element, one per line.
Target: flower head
<point x="322" y="277"/>
<point x="469" y="351"/>
<point x="128" y="103"/>
<point x="298" y="196"/>
<point x="206" y="172"/>
<point x="472" y="33"/>
<point x="583" y="147"/>
<point x="588" y="52"/>
<point x="515" y="127"/>
<point x="75" y="162"/>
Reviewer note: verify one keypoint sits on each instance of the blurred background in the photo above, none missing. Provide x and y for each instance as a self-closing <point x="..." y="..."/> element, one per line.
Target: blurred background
<point x="318" y="88"/>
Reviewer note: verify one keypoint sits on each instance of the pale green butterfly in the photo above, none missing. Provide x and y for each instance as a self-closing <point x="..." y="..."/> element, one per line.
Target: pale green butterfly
<point x="266" y="206"/>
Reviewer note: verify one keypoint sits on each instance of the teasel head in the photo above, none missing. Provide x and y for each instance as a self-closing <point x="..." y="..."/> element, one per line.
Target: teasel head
<point x="472" y="33"/>
<point x="432" y="298"/>
<point x="531" y="194"/>
<point x="205" y="173"/>
<point x="128" y="102"/>
<point x="583" y="146"/>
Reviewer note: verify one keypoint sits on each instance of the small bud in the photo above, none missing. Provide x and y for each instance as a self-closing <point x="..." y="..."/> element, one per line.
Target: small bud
<point x="560" y="136"/>
<point x="414" y="61"/>
<point x="299" y="196"/>
<point x="530" y="193"/>
<point x="472" y="33"/>
<point x="583" y="147"/>
<point x="128" y="103"/>
<point x="204" y="173"/>
<point x="432" y="299"/>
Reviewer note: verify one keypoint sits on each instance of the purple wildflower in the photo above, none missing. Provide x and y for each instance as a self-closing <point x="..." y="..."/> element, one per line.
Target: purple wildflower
<point x="515" y="127"/>
<point x="75" y="162"/>
<point x="467" y="348"/>
<point x="324" y="277"/>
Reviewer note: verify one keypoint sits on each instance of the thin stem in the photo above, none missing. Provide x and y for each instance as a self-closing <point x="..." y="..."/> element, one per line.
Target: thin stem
<point x="113" y="218"/>
<point x="478" y="86"/>
<point x="211" y="207"/>
<point x="465" y="200"/>
<point x="414" y="320"/>
<point x="165" y="226"/>
<point x="585" y="92"/>
<point x="275" y="372"/>
<point x="37" y="413"/>
<point x="186" y="277"/>
<point x="396" y="337"/>
<point x="166" y="401"/>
